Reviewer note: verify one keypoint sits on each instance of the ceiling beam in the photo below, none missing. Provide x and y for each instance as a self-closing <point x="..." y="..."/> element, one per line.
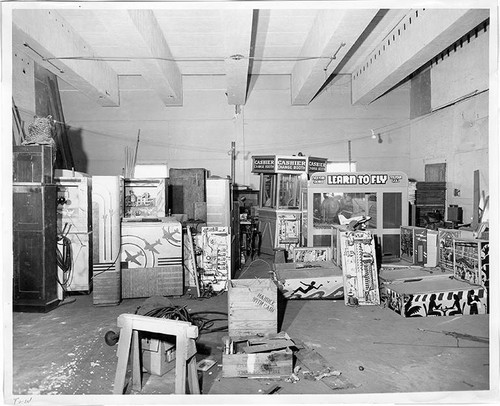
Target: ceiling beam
<point x="163" y="74"/>
<point x="333" y="33"/>
<point x="380" y="27"/>
<point x="237" y="39"/>
<point x="44" y="34"/>
<point x="139" y="33"/>
<point x="419" y="37"/>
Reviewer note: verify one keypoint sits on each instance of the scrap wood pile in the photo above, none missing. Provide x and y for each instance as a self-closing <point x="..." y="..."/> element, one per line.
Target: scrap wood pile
<point x="272" y="356"/>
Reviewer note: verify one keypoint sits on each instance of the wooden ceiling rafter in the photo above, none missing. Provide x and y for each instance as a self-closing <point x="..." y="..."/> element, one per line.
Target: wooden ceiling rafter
<point x="163" y="74"/>
<point x="332" y="34"/>
<point x="44" y="35"/>
<point x="237" y="41"/>
<point x="418" y="38"/>
<point x="139" y="33"/>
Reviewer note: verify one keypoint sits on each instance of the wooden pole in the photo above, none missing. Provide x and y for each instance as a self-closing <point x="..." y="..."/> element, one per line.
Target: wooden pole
<point x="475" y="200"/>
<point x="233" y="160"/>
<point x="349" y="153"/>
<point x="135" y="154"/>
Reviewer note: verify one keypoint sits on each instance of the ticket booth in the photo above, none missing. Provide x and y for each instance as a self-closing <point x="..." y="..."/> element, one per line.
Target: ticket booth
<point x="334" y="197"/>
<point x="282" y="178"/>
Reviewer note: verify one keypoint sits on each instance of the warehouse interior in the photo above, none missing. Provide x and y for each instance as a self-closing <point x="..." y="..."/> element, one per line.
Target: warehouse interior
<point x="207" y="202"/>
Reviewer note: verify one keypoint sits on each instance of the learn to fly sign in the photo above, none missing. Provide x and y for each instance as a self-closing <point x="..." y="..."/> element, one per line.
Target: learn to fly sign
<point x="353" y="179"/>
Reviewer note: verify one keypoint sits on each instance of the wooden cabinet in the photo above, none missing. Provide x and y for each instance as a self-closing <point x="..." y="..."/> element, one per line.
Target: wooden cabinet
<point x="187" y="192"/>
<point x="35" y="235"/>
<point x="32" y="163"/>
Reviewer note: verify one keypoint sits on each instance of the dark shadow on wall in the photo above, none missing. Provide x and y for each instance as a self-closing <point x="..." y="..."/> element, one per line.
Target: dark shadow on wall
<point x="76" y="145"/>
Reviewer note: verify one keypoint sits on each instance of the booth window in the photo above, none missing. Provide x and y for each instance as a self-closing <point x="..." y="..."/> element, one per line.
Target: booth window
<point x="289" y="191"/>
<point x="392" y="210"/>
<point x="267" y="188"/>
<point x="330" y="208"/>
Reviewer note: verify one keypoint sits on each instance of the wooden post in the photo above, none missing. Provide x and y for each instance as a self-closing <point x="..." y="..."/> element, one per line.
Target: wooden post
<point x="136" y="362"/>
<point x="475" y="200"/>
<point x="191" y="261"/>
<point x="122" y="353"/>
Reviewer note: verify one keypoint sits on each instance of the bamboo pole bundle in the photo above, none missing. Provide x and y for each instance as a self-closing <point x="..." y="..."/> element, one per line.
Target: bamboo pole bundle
<point x="131" y="159"/>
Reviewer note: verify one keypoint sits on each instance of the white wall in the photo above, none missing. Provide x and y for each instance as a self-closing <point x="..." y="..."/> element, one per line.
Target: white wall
<point x="458" y="134"/>
<point x="199" y="134"/>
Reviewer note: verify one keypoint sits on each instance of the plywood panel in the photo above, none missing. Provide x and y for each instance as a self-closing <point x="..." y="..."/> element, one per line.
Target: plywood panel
<point x="435" y="172"/>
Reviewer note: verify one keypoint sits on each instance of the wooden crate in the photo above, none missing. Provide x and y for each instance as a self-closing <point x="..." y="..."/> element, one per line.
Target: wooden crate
<point x="155" y="281"/>
<point x="106" y="286"/>
<point x="158" y="355"/>
<point x="274" y="364"/>
<point x="252" y="307"/>
<point x="186" y="187"/>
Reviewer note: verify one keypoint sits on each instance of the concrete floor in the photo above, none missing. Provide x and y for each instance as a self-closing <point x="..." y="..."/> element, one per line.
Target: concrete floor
<point x="381" y="354"/>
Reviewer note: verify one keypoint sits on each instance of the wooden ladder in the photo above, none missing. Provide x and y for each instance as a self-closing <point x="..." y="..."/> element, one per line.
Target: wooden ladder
<point x="185" y="360"/>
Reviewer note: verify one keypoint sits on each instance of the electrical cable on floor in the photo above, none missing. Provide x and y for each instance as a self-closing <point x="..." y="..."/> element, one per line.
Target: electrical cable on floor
<point x="204" y="324"/>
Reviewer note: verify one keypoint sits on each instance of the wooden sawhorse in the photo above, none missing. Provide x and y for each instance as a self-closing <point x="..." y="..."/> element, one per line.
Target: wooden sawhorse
<point x="185" y="350"/>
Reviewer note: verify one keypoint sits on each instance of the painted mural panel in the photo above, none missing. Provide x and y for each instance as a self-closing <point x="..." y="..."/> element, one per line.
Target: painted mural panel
<point x="471" y="261"/>
<point x="312" y="280"/>
<point x="288" y="228"/>
<point x="145" y="198"/>
<point x="151" y="244"/>
<point x="446" y="247"/>
<point x="216" y="258"/>
<point x="406" y="244"/>
<point x="447" y="303"/>
<point x="359" y="267"/>
<point x="107" y="210"/>
<point x="311" y="254"/>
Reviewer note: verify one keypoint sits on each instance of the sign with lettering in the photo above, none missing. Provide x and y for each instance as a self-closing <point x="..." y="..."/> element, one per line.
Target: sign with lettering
<point x="359" y="179"/>
<point x="265" y="302"/>
<point x="316" y="164"/>
<point x="263" y="163"/>
<point x="295" y="164"/>
<point x="287" y="164"/>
